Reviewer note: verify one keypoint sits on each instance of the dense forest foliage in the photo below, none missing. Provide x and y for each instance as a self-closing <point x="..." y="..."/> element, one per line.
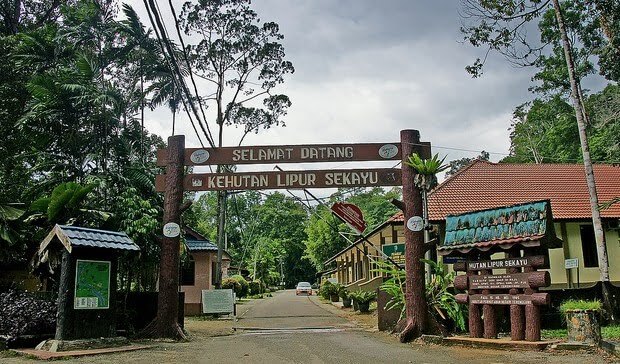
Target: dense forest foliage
<point x="545" y="129"/>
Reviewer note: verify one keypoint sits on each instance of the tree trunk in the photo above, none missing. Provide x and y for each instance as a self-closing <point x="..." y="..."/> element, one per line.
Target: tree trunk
<point x="166" y="324"/>
<point x="221" y="231"/>
<point x="601" y="246"/>
<point x="415" y="296"/>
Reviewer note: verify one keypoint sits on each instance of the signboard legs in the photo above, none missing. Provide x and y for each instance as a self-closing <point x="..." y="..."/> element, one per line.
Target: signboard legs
<point x="517" y="320"/>
<point x="532" y="312"/>
<point x="475" y="317"/>
<point x="489" y="311"/>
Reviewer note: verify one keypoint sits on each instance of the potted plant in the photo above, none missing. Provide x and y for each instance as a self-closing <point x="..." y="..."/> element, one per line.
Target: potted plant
<point x="363" y="299"/>
<point x="346" y="297"/>
<point x="334" y="291"/>
<point x="582" y="321"/>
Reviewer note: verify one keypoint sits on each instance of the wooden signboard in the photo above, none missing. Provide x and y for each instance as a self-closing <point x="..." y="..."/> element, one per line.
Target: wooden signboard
<point x="288" y="180"/>
<point x="290" y="154"/>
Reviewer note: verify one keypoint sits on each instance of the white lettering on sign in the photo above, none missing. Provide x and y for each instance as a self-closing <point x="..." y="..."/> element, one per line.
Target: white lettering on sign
<point x="296" y="179"/>
<point x="237" y="181"/>
<point x="493" y="264"/>
<point x="263" y="154"/>
<point x="350" y="178"/>
<point x="326" y="152"/>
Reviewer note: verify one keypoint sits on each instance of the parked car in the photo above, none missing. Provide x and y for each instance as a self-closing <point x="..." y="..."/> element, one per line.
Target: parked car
<point x="303" y="288"/>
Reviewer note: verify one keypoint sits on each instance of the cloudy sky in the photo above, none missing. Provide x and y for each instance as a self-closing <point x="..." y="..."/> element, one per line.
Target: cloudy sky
<point x="366" y="69"/>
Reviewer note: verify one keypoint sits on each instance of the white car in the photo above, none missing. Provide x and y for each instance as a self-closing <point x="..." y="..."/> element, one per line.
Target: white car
<point x="303" y="288"/>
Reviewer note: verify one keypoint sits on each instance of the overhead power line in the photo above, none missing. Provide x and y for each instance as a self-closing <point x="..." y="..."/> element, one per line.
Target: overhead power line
<point x="169" y="54"/>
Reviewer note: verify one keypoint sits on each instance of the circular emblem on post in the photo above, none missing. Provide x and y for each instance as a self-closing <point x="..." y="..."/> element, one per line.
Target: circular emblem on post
<point x="415" y="223"/>
<point x="172" y="230"/>
<point x="199" y="156"/>
<point x="388" y="151"/>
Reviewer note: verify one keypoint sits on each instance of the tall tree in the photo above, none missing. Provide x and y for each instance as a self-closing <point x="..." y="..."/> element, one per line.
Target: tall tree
<point x="580" y="113"/>
<point x="243" y="59"/>
<point x="502" y="26"/>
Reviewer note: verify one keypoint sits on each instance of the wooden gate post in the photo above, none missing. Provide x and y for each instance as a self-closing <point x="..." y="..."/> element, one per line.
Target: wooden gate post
<point x="415" y="298"/>
<point x="168" y="297"/>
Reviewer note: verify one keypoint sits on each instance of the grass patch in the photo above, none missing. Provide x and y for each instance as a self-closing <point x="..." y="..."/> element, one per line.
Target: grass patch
<point x="611" y="332"/>
<point x="570" y="305"/>
<point x="554" y="334"/>
<point x="607" y="332"/>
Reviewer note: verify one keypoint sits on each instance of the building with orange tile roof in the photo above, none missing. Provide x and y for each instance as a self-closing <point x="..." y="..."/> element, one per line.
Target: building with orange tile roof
<point x="485" y="185"/>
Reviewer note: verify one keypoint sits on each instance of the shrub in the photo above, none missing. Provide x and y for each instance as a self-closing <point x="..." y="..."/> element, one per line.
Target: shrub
<point x="328" y="289"/>
<point x="244" y="288"/>
<point x="253" y="288"/>
<point x="360" y="296"/>
<point x="231" y="283"/>
<point x="394" y="286"/>
<point x="438" y="295"/>
<point x="23" y="313"/>
<point x="571" y="305"/>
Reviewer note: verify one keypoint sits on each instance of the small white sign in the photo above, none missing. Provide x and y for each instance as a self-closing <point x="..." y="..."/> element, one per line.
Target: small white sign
<point x="415" y="223"/>
<point x="218" y="301"/>
<point x="172" y="230"/>
<point x="200" y="156"/>
<point x="196" y="182"/>
<point x="571" y="263"/>
<point x="388" y="151"/>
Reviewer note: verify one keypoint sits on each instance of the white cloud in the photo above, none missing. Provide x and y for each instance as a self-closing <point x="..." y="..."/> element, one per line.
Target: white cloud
<point x="367" y="69"/>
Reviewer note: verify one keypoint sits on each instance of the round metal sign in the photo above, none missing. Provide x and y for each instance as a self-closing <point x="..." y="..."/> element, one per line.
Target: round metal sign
<point x="415" y="223"/>
<point x="199" y="156"/>
<point x="172" y="230"/>
<point x="388" y="151"/>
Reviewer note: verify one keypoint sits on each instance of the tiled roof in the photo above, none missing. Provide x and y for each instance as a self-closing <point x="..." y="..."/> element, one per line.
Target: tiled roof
<point x="79" y="236"/>
<point x="484" y="185"/>
<point x="200" y="245"/>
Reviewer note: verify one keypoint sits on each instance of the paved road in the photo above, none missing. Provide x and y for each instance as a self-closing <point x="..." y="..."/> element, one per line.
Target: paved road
<point x="290" y="329"/>
<point x="288" y="311"/>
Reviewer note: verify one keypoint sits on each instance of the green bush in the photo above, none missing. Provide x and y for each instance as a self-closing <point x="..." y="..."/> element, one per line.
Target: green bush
<point x="571" y="305"/>
<point x="438" y="295"/>
<point x="360" y="296"/>
<point x="256" y="287"/>
<point x="328" y="289"/>
<point x="238" y="284"/>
